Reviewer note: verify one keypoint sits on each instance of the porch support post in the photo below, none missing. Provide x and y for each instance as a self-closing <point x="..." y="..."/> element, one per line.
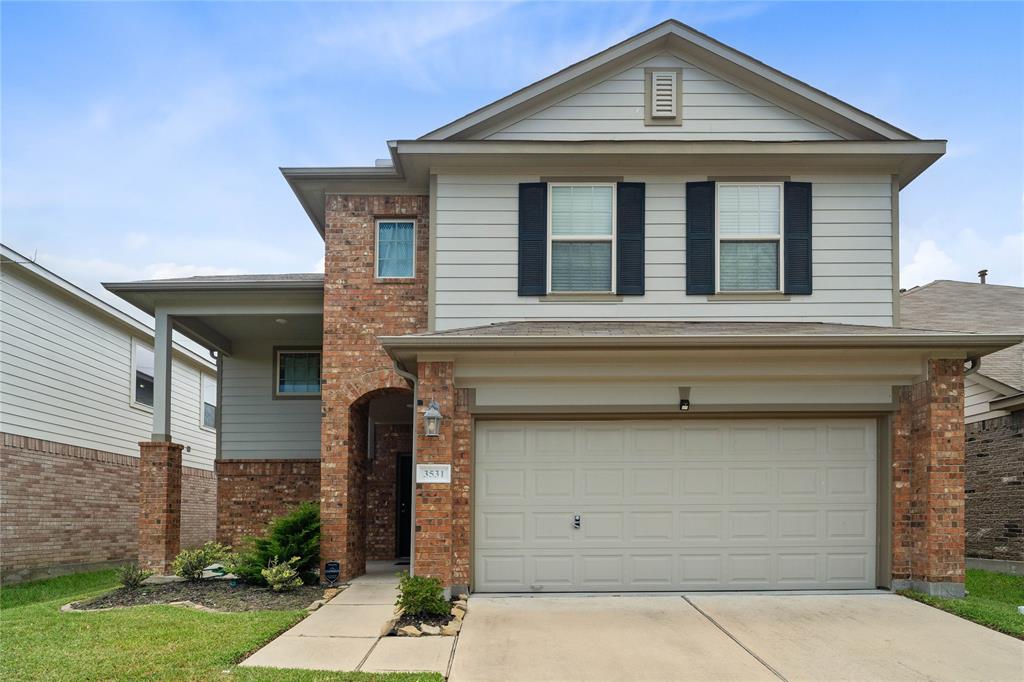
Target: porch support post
<point x="162" y="377"/>
<point x="160" y="467"/>
<point x="928" y="483"/>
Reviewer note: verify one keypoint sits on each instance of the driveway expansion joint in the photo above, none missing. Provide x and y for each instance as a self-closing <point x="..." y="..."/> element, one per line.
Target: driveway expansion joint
<point x="733" y="638"/>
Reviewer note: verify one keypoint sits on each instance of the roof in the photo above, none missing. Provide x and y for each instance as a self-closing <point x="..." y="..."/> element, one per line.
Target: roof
<point x="975" y="307"/>
<point x="705" y="51"/>
<point x="623" y="335"/>
<point x="297" y="280"/>
<point x="10" y="257"/>
<point x="867" y="142"/>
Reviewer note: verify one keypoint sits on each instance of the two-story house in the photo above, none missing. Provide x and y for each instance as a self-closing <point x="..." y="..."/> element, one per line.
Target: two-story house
<point x="634" y="327"/>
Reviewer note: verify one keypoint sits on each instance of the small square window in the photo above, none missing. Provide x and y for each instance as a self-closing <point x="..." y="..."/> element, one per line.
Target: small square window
<point x="209" y="402"/>
<point x="298" y="373"/>
<point x="396" y="249"/>
<point x="143" y="366"/>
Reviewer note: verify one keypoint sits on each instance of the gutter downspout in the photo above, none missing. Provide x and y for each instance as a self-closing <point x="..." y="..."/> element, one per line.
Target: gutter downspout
<point x="975" y="361"/>
<point x="411" y="378"/>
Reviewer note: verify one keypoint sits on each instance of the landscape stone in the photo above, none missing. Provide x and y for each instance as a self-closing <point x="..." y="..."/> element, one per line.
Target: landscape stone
<point x="428" y="629"/>
<point x="452" y="628"/>
<point x="409" y="631"/>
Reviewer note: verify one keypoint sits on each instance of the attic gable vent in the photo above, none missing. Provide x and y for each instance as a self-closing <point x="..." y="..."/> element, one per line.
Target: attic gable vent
<point x="663" y="94"/>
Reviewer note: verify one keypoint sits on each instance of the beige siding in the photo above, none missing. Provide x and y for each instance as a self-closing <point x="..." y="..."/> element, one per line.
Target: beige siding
<point x="477" y="256"/>
<point x="713" y="109"/>
<point x="253" y="424"/>
<point x="65" y="376"/>
<point x="976" y="401"/>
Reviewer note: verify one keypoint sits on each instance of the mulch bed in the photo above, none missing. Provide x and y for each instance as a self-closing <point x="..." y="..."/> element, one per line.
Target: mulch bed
<point x="439" y="621"/>
<point x="214" y="594"/>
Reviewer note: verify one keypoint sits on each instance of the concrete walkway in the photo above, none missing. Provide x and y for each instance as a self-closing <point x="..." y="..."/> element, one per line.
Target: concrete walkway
<point x="345" y="634"/>
<point x="726" y="637"/>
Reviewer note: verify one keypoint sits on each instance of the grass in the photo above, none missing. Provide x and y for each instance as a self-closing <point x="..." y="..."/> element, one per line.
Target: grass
<point x="992" y="600"/>
<point x="145" y="642"/>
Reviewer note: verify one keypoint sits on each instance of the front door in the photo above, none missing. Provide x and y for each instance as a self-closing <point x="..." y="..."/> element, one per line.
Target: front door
<point x="404" y="492"/>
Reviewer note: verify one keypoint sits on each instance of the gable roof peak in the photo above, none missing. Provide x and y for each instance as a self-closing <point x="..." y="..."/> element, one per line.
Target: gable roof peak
<point x="705" y="52"/>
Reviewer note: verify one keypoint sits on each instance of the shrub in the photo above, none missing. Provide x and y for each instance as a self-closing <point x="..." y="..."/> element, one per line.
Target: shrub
<point x="420" y="596"/>
<point x="282" y="577"/>
<point x="189" y="564"/>
<point x="131" y="576"/>
<point x="296" y="534"/>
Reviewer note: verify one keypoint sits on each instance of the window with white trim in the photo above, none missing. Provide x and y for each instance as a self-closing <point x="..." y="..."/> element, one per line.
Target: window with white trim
<point x="143" y="370"/>
<point x="297" y="373"/>
<point x="581" y="247"/>
<point x="208" y="406"/>
<point x="749" y="224"/>
<point x="396" y="249"/>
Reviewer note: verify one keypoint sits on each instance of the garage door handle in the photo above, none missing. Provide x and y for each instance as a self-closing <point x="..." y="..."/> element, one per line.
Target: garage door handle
<point x="576" y="521"/>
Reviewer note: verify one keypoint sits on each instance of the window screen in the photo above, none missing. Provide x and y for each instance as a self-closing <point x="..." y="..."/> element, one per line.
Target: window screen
<point x="395" y="248"/>
<point x="582" y="229"/>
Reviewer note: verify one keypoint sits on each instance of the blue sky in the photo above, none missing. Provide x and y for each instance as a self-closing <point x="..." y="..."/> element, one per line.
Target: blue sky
<point x="142" y="140"/>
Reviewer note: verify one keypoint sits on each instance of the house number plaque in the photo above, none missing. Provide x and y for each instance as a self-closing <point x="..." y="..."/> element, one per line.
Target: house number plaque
<point x="433" y="473"/>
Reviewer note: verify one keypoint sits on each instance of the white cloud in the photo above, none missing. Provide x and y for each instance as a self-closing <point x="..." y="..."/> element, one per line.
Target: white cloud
<point x="929" y="263"/>
<point x="1002" y="256"/>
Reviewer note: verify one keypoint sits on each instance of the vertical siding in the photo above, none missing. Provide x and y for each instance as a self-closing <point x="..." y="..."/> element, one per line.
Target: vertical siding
<point x="65" y="376"/>
<point x="713" y="109"/>
<point x="253" y="424"/>
<point x="477" y="255"/>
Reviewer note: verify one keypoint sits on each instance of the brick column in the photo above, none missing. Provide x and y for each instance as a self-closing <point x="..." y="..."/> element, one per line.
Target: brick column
<point x="433" y="544"/>
<point x="159" y="505"/>
<point x="928" y="483"/>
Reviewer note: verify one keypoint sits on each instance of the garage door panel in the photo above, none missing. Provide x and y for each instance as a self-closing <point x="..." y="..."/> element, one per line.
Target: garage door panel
<point x="695" y="505"/>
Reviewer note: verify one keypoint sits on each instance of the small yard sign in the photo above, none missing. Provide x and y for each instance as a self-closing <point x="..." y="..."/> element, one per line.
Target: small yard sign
<point x="433" y="473"/>
<point x="332" y="569"/>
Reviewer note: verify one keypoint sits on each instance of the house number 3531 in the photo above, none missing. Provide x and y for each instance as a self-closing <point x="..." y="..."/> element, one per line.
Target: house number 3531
<point x="433" y="473"/>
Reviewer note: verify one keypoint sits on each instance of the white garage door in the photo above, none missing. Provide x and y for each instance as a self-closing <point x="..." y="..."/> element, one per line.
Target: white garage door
<point x="694" y="505"/>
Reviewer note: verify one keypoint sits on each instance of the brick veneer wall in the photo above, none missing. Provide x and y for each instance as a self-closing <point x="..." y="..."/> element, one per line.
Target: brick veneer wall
<point x="250" y="492"/>
<point x="928" y="481"/>
<point x="65" y="508"/>
<point x="390" y="440"/>
<point x="359" y="307"/>
<point x="995" y="488"/>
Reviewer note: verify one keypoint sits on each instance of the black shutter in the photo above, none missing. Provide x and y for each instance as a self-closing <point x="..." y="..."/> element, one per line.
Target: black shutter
<point x="533" y="238"/>
<point x="630" y="239"/>
<point x="797" y="237"/>
<point x="700" y="238"/>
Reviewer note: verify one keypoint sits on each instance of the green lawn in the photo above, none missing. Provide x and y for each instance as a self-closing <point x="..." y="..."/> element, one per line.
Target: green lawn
<point x="992" y="600"/>
<point x="152" y="642"/>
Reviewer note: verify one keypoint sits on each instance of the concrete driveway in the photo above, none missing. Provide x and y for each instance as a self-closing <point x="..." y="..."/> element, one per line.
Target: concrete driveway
<point x="726" y="637"/>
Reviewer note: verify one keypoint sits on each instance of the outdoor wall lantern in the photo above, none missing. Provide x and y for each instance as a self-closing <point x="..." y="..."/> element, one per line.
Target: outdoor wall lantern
<point x="432" y="420"/>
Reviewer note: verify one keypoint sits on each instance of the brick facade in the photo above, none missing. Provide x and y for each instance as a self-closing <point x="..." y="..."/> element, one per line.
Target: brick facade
<point x="928" y="482"/>
<point x="250" y="492"/>
<point x="65" y="508"/>
<point x="390" y="441"/>
<point x="995" y="488"/>
<point x="159" y="504"/>
<point x="359" y="307"/>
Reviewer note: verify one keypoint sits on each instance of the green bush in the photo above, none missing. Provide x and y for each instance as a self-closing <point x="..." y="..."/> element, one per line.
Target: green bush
<point x="189" y="564"/>
<point x="282" y="577"/>
<point x="420" y="596"/>
<point x="296" y="534"/>
<point x="131" y="576"/>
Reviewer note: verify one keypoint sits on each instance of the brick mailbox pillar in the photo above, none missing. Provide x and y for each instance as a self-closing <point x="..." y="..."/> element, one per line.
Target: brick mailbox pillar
<point x="928" y="483"/>
<point x="159" y="505"/>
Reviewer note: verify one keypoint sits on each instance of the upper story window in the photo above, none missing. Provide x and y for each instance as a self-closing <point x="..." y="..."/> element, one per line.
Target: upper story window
<point x="143" y="365"/>
<point x="209" y="402"/>
<point x="582" y="238"/>
<point x="396" y="249"/>
<point x="749" y="236"/>
<point x="297" y="373"/>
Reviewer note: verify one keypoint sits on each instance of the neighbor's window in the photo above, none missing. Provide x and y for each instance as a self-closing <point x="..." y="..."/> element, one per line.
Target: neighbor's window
<point x="396" y="248"/>
<point x="749" y="236"/>
<point x="298" y="373"/>
<point x="209" y="399"/>
<point x="143" y="364"/>
<point x="582" y="238"/>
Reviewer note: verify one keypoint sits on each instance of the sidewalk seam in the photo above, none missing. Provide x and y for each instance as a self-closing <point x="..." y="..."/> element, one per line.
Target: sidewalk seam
<point x="738" y="642"/>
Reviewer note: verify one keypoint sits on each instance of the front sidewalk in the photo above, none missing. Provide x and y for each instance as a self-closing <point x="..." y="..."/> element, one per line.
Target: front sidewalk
<point x="345" y="634"/>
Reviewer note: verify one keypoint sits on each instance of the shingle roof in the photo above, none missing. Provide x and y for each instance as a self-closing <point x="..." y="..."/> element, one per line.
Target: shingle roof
<point x="556" y="328"/>
<point x="970" y="306"/>
<point x="312" y="277"/>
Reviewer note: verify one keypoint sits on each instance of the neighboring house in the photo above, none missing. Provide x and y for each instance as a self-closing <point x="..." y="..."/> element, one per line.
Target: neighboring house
<point x="76" y="397"/>
<point x="994" y="410"/>
<point x="653" y="301"/>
